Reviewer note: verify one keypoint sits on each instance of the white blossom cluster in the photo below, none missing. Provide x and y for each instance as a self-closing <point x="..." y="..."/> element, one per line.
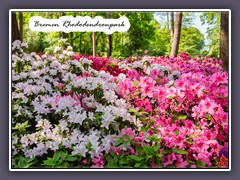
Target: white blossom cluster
<point x="45" y="94"/>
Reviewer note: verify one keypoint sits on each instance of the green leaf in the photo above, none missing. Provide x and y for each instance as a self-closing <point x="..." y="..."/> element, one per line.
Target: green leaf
<point x="190" y="142"/>
<point x="134" y="111"/>
<point x="176" y="132"/>
<point x="190" y="162"/>
<point x="170" y="97"/>
<point x="127" y="143"/>
<point x="136" y="158"/>
<point x="49" y="162"/>
<point x="112" y="165"/>
<point x="123" y="161"/>
<point x="156" y="148"/>
<point x="154" y="138"/>
<point x="60" y="155"/>
<point x="138" y="165"/>
<point x="135" y="83"/>
<point x="180" y="151"/>
<point x="144" y="166"/>
<point x="200" y="164"/>
<point x="182" y="117"/>
<point x="159" y="156"/>
<point x="148" y="157"/>
<point x="148" y="149"/>
<point x="159" y="164"/>
<point x="115" y="159"/>
<point x="118" y="142"/>
<point x="143" y="129"/>
<point x="208" y="117"/>
<point x="141" y="113"/>
<point x="139" y="150"/>
<point x="149" y="124"/>
<point x="71" y="158"/>
<point x="204" y="91"/>
<point x="24" y="162"/>
<point x="166" y="151"/>
<point x="64" y="165"/>
<point x="125" y="136"/>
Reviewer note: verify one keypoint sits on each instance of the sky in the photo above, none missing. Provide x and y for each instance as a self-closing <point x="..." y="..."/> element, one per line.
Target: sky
<point x="196" y="23"/>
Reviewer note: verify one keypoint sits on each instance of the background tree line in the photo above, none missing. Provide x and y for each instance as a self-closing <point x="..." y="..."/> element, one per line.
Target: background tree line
<point x="161" y="33"/>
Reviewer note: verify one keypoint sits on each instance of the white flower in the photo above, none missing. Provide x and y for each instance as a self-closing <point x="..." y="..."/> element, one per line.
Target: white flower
<point x="70" y="53"/>
<point x="69" y="48"/>
<point x="80" y="149"/>
<point x="62" y="41"/>
<point x="57" y="49"/>
<point x="170" y="77"/>
<point x="61" y="56"/>
<point x="24" y="141"/>
<point x="90" y="115"/>
<point x="176" y="73"/>
<point x="33" y="54"/>
<point x="16" y="44"/>
<point x="63" y="125"/>
<point x="65" y="52"/>
<point x="121" y="77"/>
<point x="24" y="45"/>
<point x="86" y="61"/>
<point x="110" y="96"/>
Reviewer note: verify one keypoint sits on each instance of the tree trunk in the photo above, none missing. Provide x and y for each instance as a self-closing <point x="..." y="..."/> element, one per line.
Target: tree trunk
<point x="109" y="40"/>
<point x="80" y="43"/>
<point x="71" y="39"/>
<point x="93" y="39"/>
<point x="224" y="54"/>
<point x="71" y="33"/>
<point x="168" y="25"/>
<point x="172" y="25"/>
<point x="177" y="33"/>
<point x="15" y="30"/>
<point x="21" y="25"/>
<point x="63" y="35"/>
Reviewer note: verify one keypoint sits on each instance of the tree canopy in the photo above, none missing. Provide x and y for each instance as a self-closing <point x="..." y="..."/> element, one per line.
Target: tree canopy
<point x="148" y="31"/>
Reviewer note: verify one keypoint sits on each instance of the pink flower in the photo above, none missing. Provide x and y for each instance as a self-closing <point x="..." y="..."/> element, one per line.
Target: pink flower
<point x="193" y="166"/>
<point x="128" y="131"/>
<point x="167" y="160"/>
<point x="57" y="99"/>
<point x="86" y="74"/>
<point x="60" y="85"/>
<point x="182" y="164"/>
<point x="84" y="161"/>
<point x="118" y="150"/>
<point x="98" y="162"/>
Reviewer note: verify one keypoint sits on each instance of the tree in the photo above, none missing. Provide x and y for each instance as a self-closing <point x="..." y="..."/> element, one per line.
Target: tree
<point x="224" y="54"/>
<point x="63" y="34"/>
<point x="109" y="39"/>
<point x="172" y="25"/>
<point x="139" y="34"/>
<point x="21" y="25"/>
<point x="177" y="33"/>
<point x="93" y="39"/>
<point x="212" y="19"/>
<point x="192" y="41"/>
<point x="15" y="29"/>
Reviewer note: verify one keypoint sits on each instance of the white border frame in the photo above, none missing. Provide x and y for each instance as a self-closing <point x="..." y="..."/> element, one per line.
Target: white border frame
<point x="117" y="10"/>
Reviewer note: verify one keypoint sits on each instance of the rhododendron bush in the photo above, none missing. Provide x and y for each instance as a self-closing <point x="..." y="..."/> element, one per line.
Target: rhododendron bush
<point x="74" y="111"/>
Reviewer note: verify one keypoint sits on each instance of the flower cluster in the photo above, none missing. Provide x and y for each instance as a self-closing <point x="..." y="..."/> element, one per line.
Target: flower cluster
<point x="71" y="110"/>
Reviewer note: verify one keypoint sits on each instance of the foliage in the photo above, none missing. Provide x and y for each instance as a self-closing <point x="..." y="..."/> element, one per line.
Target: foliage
<point x="213" y="32"/>
<point x="151" y="34"/>
<point x="77" y="111"/>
